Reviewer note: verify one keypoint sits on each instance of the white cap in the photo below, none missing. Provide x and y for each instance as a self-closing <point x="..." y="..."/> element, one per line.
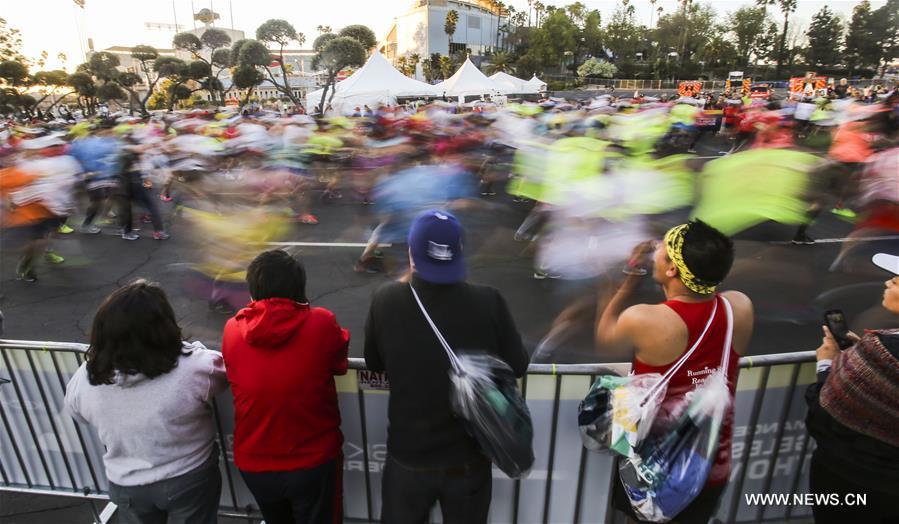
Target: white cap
<point x="888" y="262"/>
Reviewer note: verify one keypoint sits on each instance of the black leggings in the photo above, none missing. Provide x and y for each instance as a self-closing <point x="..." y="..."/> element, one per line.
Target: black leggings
<point x="136" y="192"/>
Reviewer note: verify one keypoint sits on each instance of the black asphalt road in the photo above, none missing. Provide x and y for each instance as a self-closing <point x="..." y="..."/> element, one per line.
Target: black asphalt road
<point x="790" y="285"/>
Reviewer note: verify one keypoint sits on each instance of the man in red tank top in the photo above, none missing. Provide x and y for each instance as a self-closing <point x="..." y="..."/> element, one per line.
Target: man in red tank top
<point x="689" y="264"/>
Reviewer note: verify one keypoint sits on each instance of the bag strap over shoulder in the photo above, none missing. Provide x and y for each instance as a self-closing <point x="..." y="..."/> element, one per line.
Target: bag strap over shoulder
<point x="683" y="359"/>
<point x="454" y="360"/>
<point x="728" y="336"/>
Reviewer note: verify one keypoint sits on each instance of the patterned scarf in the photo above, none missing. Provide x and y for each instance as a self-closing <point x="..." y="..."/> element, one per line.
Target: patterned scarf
<point x="862" y="391"/>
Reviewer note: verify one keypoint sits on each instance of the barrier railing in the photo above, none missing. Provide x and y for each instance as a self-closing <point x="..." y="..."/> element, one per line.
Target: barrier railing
<point x="44" y="451"/>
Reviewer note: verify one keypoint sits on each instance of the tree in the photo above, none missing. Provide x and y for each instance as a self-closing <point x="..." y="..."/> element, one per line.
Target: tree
<point x="823" y="33"/>
<point x="555" y="40"/>
<point x="886" y="25"/>
<point x="431" y="67"/>
<point x="787" y="7"/>
<point x="145" y="56"/>
<point x="860" y="48"/>
<point x="14" y="73"/>
<point x="209" y="48"/>
<point x="53" y="80"/>
<point x="449" y="27"/>
<point x="500" y="62"/>
<point x="688" y="30"/>
<point x="334" y="55"/>
<point x="446" y="67"/>
<point x="597" y="68"/>
<point x="748" y="27"/>
<point x="246" y="77"/>
<point x="10" y="43"/>
<point x="280" y="33"/>
<point x="177" y="74"/>
<point x="323" y="29"/>
<point x="86" y="89"/>
<point x="362" y="34"/>
<point x="622" y="36"/>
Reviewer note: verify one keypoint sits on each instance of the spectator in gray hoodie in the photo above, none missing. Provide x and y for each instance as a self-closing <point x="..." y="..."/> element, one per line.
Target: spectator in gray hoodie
<point x="148" y="393"/>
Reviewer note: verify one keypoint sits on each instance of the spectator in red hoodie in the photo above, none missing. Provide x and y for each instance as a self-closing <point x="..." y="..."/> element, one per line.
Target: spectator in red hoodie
<point x="281" y="356"/>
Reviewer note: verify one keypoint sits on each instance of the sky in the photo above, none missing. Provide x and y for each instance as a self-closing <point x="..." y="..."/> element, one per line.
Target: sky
<point x="59" y="26"/>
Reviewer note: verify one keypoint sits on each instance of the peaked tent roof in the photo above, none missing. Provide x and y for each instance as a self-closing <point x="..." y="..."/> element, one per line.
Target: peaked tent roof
<point x="468" y="80"/>
<point x="377" y="80"/>
<point x="536" y="82"/>
<point x="509" y="84"/>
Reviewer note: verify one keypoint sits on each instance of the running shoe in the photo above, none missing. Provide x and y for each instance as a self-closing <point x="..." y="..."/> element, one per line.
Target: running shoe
<point x="541" y="275"/>
<point x="803" y="240"/>
<point x="164" y="197"/>
<point x="160" y="235"/>
<point x="65" y="229"/>
<point x="308" y="218"/>
<point x="53" y="258"/>
<point x="844" y="212"/>
<point x="130" y="236"/>
<point x="145" y="218"/>
<point x="90" y="230"/>
<point x="27" y="276"/>
<point x="362" y="267"/>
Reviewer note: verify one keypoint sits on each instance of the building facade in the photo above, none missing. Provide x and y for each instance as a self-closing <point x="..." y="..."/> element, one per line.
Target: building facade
<point x="420" y="30"/>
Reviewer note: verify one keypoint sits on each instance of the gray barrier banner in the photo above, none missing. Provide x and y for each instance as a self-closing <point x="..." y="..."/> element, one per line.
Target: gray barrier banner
<point x="42" y="448"/>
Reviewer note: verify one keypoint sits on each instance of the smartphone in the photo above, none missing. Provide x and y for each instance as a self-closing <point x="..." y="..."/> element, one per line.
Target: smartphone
<point x="835" y="321"/>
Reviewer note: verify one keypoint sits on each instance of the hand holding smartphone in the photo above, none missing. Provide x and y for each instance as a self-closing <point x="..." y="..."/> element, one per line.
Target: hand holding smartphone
<point x="835" y="321"/>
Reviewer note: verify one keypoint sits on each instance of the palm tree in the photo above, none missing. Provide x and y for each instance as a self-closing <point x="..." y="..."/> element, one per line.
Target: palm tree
<point x="530" y="6"/>
<point x="787" y="7"/>
<point x="322" y="29"/>
<point x="446" y="67"/>
<point x="652" y="11"/>
<point x="539" y="9"/>
<point x="500" y="9"/>
<point x="449" y="27"/>
<point x="500" y="61"/>
<point x="412" y="63"/>
<point x="683" y="50"/>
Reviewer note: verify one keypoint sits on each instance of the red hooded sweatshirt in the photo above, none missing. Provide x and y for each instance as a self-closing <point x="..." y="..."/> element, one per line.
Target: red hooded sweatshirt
<point x="281" y="357"/>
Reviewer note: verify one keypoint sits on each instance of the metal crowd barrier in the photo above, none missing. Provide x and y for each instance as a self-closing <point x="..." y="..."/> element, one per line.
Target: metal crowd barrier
<point x="44" y="451"/>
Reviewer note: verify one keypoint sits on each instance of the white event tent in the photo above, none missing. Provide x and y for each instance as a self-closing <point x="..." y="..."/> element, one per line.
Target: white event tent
<point x="377" y="82"/>
<point x="540" y="85"/>
<point x="512" y="85"/>
<point x="468" y="81"/>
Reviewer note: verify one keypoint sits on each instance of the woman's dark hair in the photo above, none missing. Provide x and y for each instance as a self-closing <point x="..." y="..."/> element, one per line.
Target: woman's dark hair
<point x="708" y="252"/>
<point x="134" y="331"/>
<point x="276" y="274"/>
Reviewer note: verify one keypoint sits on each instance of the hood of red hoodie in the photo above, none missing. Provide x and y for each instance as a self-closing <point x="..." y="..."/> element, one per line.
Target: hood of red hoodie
<point x="270" y="322"/>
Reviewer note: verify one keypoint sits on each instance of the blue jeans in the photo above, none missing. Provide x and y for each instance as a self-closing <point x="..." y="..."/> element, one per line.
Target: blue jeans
<point x="191" y="498"/>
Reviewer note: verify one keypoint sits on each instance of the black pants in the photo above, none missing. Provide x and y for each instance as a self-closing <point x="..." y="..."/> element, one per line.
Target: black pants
<point x="192" y="498"/>
<point x="301" y="496"/>
<point x="408" y="494"/>
<point x="135" y="192"/>
<point x="700" y="511"/>
<point x="880" y="507"/>
<point x="96" y="197"/>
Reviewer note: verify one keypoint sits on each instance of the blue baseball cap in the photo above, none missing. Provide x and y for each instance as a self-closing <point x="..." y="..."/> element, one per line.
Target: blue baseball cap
<point x="435" y="241"/>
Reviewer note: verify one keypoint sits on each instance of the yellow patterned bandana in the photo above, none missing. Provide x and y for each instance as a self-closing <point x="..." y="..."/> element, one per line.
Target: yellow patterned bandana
<point x="674" y="245"/>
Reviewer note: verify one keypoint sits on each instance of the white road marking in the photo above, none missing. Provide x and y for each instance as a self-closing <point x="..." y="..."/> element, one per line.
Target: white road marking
<point x="324" y="244"/>
<point x="846" y="239"/>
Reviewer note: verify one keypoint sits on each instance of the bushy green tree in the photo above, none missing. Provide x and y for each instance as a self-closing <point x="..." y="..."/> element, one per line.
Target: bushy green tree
<point x="279" y="33"/>
<point x="748" y="26"/>
<point x="335" y="53"/>
<point x="823" y="34"/>
<point x="597" y="68"/>
<point x="210" y="48"/>
<point x="253" y="60"/>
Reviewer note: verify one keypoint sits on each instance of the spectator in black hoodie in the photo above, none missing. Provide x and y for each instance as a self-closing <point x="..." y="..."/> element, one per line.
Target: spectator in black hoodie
<point x="430" y="456"/>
